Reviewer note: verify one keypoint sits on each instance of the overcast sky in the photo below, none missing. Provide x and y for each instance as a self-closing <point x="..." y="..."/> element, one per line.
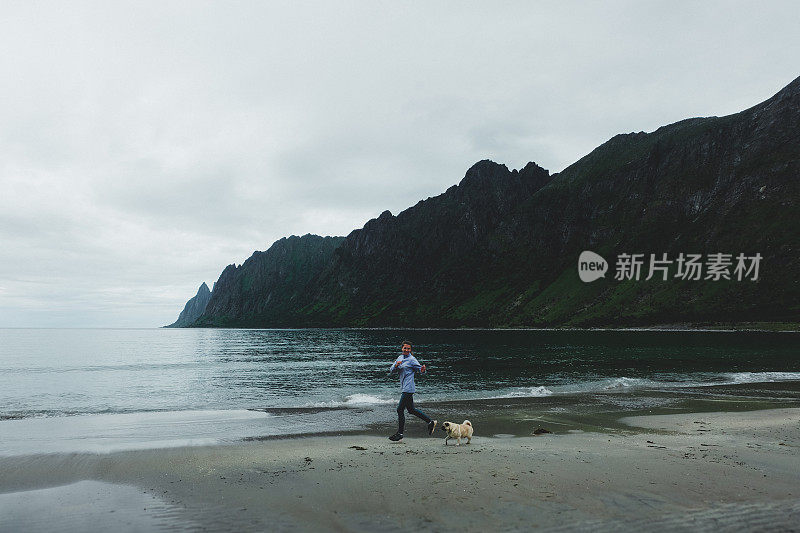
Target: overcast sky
<point x="145" y="146"/>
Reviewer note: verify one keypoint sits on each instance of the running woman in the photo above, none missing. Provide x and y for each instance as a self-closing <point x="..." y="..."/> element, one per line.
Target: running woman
<point x="407" y="365"/>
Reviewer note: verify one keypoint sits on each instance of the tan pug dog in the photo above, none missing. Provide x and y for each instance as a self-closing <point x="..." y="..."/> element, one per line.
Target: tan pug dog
<point x="458" y="431"/>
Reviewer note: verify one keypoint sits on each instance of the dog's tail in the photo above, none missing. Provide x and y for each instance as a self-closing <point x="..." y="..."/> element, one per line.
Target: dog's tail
<point x="467" y="422"/>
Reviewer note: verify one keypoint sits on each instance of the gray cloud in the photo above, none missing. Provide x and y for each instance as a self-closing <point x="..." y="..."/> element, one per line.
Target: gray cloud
<point x="144" y="146"/>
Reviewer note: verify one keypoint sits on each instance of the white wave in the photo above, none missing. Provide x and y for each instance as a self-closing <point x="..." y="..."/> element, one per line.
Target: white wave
<point x="366" y="399"/>
<point x="352" y="400"/>
<point x="527" y="392"/>
<point x="624" y="383"/>
<point x="627" y="383"/>
<point x="619" y="384"/>
<point x="761" y="377"/>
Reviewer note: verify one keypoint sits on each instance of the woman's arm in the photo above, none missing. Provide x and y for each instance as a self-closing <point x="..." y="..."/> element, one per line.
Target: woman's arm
<point x="416" y="366"/>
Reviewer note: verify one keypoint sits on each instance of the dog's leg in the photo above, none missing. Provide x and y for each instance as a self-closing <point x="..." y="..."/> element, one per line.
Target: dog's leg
<point x="445" y="440"/>
<point x="469" y="440"/>
<point x="459" y="442"/>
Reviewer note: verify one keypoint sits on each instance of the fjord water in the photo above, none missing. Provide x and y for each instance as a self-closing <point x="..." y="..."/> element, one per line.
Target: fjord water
<point x="109" y="389"/>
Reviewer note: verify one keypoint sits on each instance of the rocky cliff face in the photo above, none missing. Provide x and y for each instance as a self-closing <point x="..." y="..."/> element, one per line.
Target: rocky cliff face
<point x="501" y="247"/>
<point x="407" y="269"/>
<point x="194" y="308"/>
<point x="266" y="288"/>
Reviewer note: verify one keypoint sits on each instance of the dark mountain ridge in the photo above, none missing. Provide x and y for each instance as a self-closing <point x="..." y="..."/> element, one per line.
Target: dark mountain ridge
<point x="501" y="247"/>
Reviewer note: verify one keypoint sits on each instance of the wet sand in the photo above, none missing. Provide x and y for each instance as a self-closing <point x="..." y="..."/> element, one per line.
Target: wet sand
<point x="682" y="472"/>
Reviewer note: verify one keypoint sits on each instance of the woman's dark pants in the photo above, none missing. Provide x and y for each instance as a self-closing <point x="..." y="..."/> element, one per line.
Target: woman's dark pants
<point x="407" y="402"/>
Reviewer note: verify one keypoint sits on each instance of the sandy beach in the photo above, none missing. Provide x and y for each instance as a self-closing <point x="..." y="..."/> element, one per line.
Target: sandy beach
<point x="687" y="472"/>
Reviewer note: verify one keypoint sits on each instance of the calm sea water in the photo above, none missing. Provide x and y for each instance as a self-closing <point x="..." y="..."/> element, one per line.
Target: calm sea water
<point x="65" y="389"/>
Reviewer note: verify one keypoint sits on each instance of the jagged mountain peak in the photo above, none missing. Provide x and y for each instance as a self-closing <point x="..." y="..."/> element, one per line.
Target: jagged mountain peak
<point x="484" y="167"/>
<point x="193" y="308"/>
